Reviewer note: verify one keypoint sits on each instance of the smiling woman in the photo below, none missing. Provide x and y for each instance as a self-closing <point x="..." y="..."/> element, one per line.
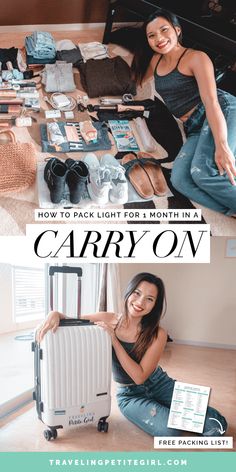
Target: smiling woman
<point x="204" y="169"/>
<point x="144" y="390"/>
<point x="142" y="300"/>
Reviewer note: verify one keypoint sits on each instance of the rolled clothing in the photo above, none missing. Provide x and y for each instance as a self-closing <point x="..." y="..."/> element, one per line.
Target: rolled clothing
<point x="40" y="45"/>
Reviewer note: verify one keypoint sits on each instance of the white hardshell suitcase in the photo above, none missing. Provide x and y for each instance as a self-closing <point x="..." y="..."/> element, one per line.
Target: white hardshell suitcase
<point x="73" y="373"/>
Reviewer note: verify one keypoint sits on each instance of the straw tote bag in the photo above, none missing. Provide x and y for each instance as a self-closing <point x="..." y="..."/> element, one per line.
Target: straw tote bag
<point x="17" y="165"/>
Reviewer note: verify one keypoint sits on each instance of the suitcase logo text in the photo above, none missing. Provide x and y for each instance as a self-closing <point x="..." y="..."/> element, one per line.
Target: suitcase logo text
<point x="81" y="419"/>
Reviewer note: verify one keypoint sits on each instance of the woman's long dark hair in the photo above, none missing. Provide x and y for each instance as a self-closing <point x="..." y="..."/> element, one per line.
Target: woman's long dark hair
<point x="149" y="322"/>
<point x="144" y="53"/>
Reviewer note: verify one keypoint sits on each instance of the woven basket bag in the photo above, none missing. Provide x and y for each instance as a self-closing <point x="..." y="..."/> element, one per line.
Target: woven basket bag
<point x="17" y="165"/>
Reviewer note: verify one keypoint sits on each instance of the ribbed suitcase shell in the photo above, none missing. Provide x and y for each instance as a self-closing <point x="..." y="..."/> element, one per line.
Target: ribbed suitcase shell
<point x="75" y="376"/>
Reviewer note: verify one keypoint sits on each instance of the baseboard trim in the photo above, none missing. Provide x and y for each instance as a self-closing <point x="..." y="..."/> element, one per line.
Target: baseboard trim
<point x="57" y="27"/>
<point x="11" y="406"/>
<point x="203" y="344"/>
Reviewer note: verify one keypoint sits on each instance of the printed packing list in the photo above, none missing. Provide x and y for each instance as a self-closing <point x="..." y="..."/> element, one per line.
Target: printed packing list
<point x="188" y="407"/>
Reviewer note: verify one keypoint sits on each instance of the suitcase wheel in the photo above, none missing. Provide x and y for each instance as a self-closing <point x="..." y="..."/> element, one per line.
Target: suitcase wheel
<point x="50" y="434"/>
<point x="103" y="426"/>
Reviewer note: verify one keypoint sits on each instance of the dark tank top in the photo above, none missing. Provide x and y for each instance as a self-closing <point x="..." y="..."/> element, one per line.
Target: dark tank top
<point x="179" y="91"/>
<point x="119" y="373"/>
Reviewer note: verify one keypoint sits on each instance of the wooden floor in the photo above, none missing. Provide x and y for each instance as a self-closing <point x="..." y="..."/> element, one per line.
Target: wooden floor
<point x="203" y="366"/>
<point x="10" y="39"/>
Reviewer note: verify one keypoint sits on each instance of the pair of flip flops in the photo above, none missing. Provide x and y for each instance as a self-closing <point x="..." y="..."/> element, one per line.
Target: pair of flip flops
<point x="145" y="174"/>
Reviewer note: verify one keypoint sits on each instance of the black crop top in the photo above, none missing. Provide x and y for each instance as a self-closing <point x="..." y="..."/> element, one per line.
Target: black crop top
<point x="179" y="91"/>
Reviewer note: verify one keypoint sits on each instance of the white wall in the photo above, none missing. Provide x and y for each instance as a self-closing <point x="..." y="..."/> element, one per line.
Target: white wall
<point x="201" y="298"/>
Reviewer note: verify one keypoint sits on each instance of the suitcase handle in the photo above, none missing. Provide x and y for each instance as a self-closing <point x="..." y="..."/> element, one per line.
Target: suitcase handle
<point x="74" y="322"/>
<point x="65" y="270"/>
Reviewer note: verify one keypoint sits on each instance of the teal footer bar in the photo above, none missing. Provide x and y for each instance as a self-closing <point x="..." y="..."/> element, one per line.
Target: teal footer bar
<point x="117" y="461"/>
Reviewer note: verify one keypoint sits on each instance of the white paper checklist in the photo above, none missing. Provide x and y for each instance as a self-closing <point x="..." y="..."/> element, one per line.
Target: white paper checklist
<point x="188" y="407"/>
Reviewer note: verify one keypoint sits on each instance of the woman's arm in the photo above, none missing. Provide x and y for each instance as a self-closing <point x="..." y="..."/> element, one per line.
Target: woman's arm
<point x="202" y="68"/>
<point x="138" y="372"/>
<point x="106" y="316"/>
<point x="53" y="319"/>
<point x="151" y="67"/>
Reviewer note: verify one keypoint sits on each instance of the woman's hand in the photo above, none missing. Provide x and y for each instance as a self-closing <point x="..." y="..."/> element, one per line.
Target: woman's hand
<point x="225" y="162"/>
<point x="109" y="327"/>
<point x="52" y="322"/>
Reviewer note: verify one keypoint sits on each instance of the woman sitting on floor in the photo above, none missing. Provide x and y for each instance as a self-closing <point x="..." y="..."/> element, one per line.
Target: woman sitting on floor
<point x="204" y="169"/>
<point x="144" y="390"/>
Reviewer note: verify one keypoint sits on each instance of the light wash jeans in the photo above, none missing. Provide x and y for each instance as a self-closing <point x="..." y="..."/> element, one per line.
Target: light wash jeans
<point x="194" y="172"/>
<point x="40" y="45"/>
<point x="148" y="407"/>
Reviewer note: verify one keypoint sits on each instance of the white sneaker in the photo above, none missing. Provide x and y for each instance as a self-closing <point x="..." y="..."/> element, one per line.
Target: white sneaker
<point x="119" y="187"/>
<point x="99" y="183"/>
<point x="107" y="179"/>
<point x="119" y="184"/>
<point x="91" y="161"/>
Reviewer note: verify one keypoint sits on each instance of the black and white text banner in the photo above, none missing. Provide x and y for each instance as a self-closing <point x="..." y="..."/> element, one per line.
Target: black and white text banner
<point x="120" y="243"/>
<point x="75" y="215"/>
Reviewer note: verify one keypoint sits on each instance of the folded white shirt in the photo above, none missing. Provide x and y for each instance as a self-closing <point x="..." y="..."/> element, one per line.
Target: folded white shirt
<point x="65" y="45"/>
<point x="93" y="50"/>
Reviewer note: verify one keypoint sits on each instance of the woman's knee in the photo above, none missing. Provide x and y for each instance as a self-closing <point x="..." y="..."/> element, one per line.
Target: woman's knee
<point x="205" y="177"/>
<point x="153" y="420"/>
<point x="154" y="426"/>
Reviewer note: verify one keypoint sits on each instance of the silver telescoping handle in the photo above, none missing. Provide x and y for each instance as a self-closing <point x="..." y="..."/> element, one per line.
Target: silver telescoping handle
<point x="66" y="270"/>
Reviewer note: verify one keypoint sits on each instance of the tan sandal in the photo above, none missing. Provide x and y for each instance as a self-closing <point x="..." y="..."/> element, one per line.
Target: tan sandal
<point x="155" y="174"/>
<point x="137" y="176"/>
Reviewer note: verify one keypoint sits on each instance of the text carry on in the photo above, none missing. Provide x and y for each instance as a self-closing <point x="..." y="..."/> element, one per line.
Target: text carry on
<point x="72" y="369"/>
